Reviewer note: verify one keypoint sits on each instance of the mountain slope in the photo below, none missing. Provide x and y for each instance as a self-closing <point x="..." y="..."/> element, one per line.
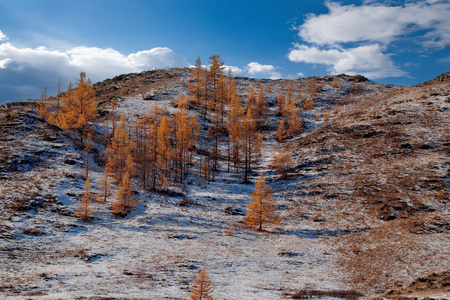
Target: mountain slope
<point x="365" y="206"/>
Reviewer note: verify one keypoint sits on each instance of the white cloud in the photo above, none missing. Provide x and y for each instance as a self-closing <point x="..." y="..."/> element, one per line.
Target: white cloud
<point x="370" y="29"/>
<point x="3" y="37"/>
<point x="444" y="60"/>
<point x="235" y="71"/>
<point x="257" y="68"/>
<point x="300" y="74"/>
<point x="366" y="60"/>
<point x="3" y="63"/>
<point x="378" y="23"/>
<point x="39" y="67"/>
<point x="159" y="57"/>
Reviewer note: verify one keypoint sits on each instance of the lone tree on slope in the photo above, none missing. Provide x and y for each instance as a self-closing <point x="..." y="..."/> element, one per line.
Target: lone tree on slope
<point x="262" y="209"/>
<point x="202" y="287"/>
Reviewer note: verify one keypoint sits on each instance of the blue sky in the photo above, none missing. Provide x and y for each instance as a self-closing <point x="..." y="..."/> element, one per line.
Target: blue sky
<point x="398" y="42"/>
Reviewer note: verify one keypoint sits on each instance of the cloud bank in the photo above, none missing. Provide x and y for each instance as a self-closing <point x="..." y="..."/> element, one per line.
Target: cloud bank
<point x="357" y="39"/>
<point x="25" y="71"/>
<point x="367" y="60"/>
<point x="3" y="37"/>
<point x="257" y="68"/>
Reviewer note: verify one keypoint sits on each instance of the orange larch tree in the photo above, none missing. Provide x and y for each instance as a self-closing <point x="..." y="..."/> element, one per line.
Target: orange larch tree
<point x="123" y="204"/>
<point x="289" y="96"/>
<point x="79" y="108"/>
<point x="294" y="124"/>
<point x="220" y="97"/>
<point x="84" y="210"/>
<point x="250" y="103"/>
<point x="197" y="82"/>
<point x="152" y="144"/>
<point x="164" y="152"/>
<point x="262" y="209"/>
<point x="282" y="132"/>
<point x="215" y="70"/>
<point x="326" y="116"/>
<point x="202" y="287"/>
<point x="43" y="105"/>
<point x="261" y="108"/>
<point x="105" y="186"/>
<point x="186" y="131"/>
<point x="119" y="150"/>
<point x="251" y="143"/>
<point x="308" y="104"/>
<point x="234" y="126"/>
<point x="142" y="128"/>
<point x="282" y="162"/>
<point x="280" y="102"/>
<point x="335" y="83"/>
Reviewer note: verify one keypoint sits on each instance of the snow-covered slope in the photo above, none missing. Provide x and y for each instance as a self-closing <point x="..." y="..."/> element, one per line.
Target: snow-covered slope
<point x="340" y="228"/>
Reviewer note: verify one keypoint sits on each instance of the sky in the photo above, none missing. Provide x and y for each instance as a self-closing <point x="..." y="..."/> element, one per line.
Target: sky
<point x="49" y="41"/>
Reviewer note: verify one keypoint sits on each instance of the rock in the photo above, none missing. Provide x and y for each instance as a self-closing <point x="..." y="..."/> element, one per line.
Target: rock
<point x="234" y="211"/>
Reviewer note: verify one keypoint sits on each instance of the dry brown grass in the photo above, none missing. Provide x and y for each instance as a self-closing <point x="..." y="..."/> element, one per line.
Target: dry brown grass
<point x="307" y="294"/>
<point x="382" y="164"/>
<point x="390" y="256"/>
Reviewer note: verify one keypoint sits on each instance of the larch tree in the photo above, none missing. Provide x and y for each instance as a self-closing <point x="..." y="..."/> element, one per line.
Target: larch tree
<point x="294" y="124"/>
<point x="206" y="171"/>
<point x="216" y="106"/>
<point x="105" y="186"/>
<point x="308" y="104"/>
<point x="84" y="210"/>
<point x="335" y="83"/>
<point x="202" y="287"/>
<point x="280" y="103"/>
<point x="119" y="150"/>
<point x="250" y="103"/>
<point x="282" y="163"/>
<point x="231" y="86"/>
<point x="43" y="105"/>
<point x="326" y="116"/>
<point x="142" y="130"/>
<point x="215" y="70"/>
<point x="124" y="202"/>
<point x="79" y="108"/>
<point x="317" y="117"/>
<point x="314" y="89"/>
<point x="216" y="126"/>
<point x="234" y="126"/>
<point x="164" y="152"/>
<point x="289" y="96"/>
<point x="145" y="147"/>
<point x="251" y="143"/>
<point x="186" y="133"/>
<point x="262" y="209"/>
<point x="261" y="108"/>
<point x="220" y="96"/>
<point x="152" y="144"/>
<point x="282" y="132"/>
<point x="197" y="81"/>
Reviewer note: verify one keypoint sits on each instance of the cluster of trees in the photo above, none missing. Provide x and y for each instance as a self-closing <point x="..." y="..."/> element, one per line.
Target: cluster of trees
<point x="290" y="123"/>
<point x="231" y="123"/>
<point x="158" y="148"/>
<point x="78" y="111"/>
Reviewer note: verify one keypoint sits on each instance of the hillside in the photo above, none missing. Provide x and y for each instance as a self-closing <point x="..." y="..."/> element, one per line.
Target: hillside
<point x="364" y="208"/>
